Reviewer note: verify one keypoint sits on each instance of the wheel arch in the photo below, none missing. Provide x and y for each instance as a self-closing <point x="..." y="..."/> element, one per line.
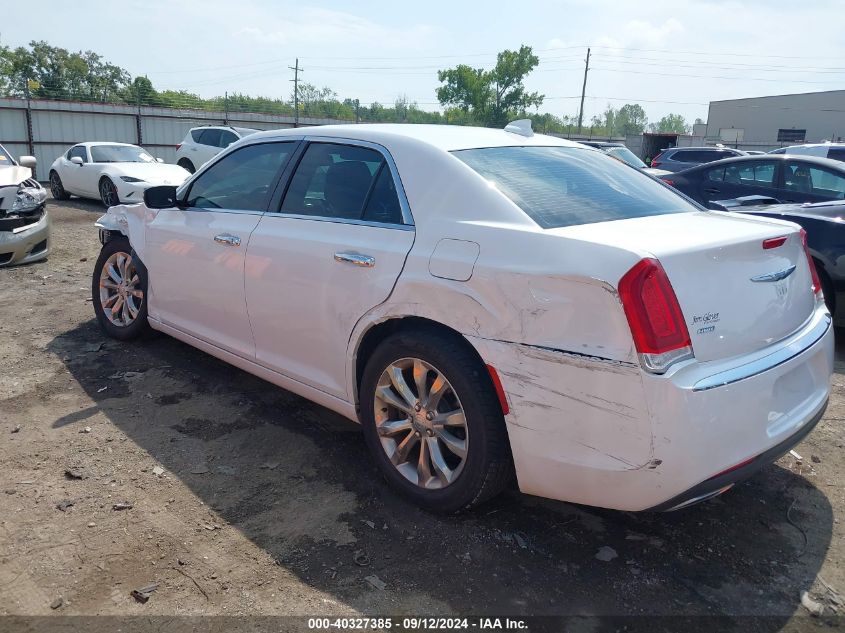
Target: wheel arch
<point x="378" y="331"/>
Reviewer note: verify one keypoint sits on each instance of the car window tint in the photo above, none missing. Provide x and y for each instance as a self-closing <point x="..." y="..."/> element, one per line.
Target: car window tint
<point x="813" y="180"/>
<point x="79" y="151"/>
<point x="562" y="186"/>
<point x="210" y="136"/>
<point x="196" y="134"/>
<point x="383" y="204"/>
<point x="716" y="175"/>
<point x="241" y="180"/>
<point x="836" y="153"/>
<point x="333" y="181"/>
<point x="756" y="174"/>
<point x="227" y="138"/>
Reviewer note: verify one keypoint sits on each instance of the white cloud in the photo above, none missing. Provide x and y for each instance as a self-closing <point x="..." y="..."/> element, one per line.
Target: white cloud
<point x="313" y="25"/>
<point x="643" y="34"/>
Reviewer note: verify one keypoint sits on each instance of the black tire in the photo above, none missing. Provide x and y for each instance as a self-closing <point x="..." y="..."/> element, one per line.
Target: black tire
<point x="56" y="187"/>
<point x="139" y="325"/>
<point x="488" y="466"/>
<point x="827" y="289"/>
<point x="184" y="163"/>
<point x="108" y="192"/>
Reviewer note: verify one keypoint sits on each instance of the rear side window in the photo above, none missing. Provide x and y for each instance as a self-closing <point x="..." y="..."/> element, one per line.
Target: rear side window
<point x="563" y="186"/>
<point x="210" y="136"/>
<point x="345" y="182"/>
<point x="241" y="180"/>
<point x="195" y="134"/>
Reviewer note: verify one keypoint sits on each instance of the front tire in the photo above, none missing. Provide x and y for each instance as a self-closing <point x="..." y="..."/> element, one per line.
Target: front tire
<point x="108" y="192"/>
<point x="432" y="421"/>
<point x="56" y="187"/>
<point x="119" y="291"/>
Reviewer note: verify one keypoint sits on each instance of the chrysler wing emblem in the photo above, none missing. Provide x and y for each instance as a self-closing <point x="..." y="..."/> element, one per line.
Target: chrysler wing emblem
<point x="775" y="276"/>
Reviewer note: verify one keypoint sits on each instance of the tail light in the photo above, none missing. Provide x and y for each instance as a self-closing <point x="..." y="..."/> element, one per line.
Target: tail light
<point x="178" y="146"/>
<point x="817" y="284"/>
<point x="669" y="182"/>
<point x="655" y="162"/>
<point x="657" y="323"/>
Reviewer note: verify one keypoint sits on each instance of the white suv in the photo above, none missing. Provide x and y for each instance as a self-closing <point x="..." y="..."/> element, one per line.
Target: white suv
<point x="836" y="151"/>
<point x="201" y="144"/>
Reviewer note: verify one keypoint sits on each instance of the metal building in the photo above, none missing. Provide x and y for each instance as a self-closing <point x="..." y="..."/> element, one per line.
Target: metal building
<point x="778" y="120"/>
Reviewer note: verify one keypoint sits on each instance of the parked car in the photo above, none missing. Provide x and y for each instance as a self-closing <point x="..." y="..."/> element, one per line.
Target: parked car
<point x="836" y="151"/>
<point x="787" y="178"/>
<point x="680" y="158"/>
<point x="201" y="144"/>
<point x="112" y="172"/>
<point x="620" y="152"/>
<point x="24" y="222"/>
<point x="824" y="223"/>
<point x="486" y="302"/>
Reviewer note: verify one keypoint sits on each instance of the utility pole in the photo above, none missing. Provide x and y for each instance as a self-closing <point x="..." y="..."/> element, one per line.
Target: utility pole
<point x="226" y="108"/>
<point x="583" y="90"/>
<point x="296" y="70"/>
<point x="357" y="111"/>
<point x="29" y="140"/>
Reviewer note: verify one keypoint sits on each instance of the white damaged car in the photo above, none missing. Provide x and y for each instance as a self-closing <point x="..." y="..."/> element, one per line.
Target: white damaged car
<point x="24" y="222"/>
<point x="487" y="303"/>
<point x="112" y="172"/>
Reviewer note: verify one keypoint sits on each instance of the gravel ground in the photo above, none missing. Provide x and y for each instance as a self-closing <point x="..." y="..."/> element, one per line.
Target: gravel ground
<point x="246" y="499"/>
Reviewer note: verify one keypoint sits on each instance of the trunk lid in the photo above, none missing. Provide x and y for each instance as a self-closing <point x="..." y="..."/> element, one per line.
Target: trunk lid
<point x="736" y="296"/>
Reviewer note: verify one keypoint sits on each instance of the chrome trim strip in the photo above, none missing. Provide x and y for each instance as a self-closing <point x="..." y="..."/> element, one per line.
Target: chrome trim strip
<point x="321" y="218"/>
<point x="789" y="351"/>
<point x="775" y="276"/>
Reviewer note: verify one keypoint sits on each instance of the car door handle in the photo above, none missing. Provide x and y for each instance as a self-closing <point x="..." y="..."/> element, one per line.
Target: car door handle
<point x="365" y="261"/>
<point x="711" y="190"/>
<point x="227" y="239"/>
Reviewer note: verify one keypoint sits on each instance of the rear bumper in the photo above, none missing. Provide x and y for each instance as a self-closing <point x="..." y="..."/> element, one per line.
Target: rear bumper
<point x="607" y="434"/>
<point x="721" y="483"/>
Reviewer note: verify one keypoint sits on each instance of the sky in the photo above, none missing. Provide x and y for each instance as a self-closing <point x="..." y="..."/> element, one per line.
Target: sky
<point x="669" y="56"/>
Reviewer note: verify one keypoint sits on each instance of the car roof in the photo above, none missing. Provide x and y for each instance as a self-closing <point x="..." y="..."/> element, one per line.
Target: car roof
<point x="90" y="143"/>
<point x="837" y="165"/>
<point x="705" y="148"/>
<point x="445" y="137"/>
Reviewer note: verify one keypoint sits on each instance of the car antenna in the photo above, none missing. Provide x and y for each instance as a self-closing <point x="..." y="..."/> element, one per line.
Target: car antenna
<point x="521" y="127"/>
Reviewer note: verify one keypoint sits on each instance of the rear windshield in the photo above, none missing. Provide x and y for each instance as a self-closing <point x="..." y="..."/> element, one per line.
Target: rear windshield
<point x="563" y="186"/>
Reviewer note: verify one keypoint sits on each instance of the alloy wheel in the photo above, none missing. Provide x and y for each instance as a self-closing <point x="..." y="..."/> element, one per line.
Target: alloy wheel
<point x="56" y="186"/>
<point x="421" y="423"/>
<point x="120" y="290"/>
<point x="108" y="193"/>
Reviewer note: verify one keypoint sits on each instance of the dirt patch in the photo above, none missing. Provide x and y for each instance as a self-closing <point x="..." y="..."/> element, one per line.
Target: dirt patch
<point x="247" y="499"/>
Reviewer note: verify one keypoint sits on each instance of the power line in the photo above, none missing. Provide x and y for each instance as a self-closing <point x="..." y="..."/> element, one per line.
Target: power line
<point x="639" y="72"/>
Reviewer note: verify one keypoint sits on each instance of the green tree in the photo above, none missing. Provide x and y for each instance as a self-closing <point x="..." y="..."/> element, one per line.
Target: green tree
<point x="630" y="119"/>
<point x="491" y="97"/>
<point x="671" y="123"/>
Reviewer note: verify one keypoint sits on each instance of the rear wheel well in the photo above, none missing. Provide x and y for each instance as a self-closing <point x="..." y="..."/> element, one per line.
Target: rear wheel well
<point x="378" y="333"/>
<point x="827" y="285"/>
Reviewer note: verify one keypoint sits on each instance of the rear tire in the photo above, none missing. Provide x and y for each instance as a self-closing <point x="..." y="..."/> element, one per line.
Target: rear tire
<point x="56" y="187"/>
<point x="827" y="289"/>
<point x="119" y="291"/>
<point x="466" y="418"/>
<point x="184" y="163"/>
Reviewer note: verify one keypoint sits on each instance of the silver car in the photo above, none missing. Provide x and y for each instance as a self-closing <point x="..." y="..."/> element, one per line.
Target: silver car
<point x="24" y="223"/>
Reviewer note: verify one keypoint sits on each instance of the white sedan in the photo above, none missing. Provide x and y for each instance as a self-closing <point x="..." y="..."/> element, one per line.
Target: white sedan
<point x="487" y="303"/>
<point x="113" y="172"/>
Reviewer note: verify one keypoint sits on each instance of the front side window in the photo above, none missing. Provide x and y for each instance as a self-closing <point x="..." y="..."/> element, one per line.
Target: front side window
<point x="227" y="138"/>
<point x="78" y="151"/>
<point x="5" y="157"/>
<point x="813" y="180"/>
<point x="564" y="186"/>
<point x="345" y="182"/>
<point x="119" y="154"/>
<point x="241" y="180"/>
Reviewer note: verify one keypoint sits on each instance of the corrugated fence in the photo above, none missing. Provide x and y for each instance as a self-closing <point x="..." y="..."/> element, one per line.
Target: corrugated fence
<point x="46" y="129"/>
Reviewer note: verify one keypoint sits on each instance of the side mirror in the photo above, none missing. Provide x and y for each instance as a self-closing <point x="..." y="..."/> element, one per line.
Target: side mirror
<point x="76" y="160"/>
<point x="27" y="161"/>
<point x="159" y="160"/>
<point x="163" y="197"/>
